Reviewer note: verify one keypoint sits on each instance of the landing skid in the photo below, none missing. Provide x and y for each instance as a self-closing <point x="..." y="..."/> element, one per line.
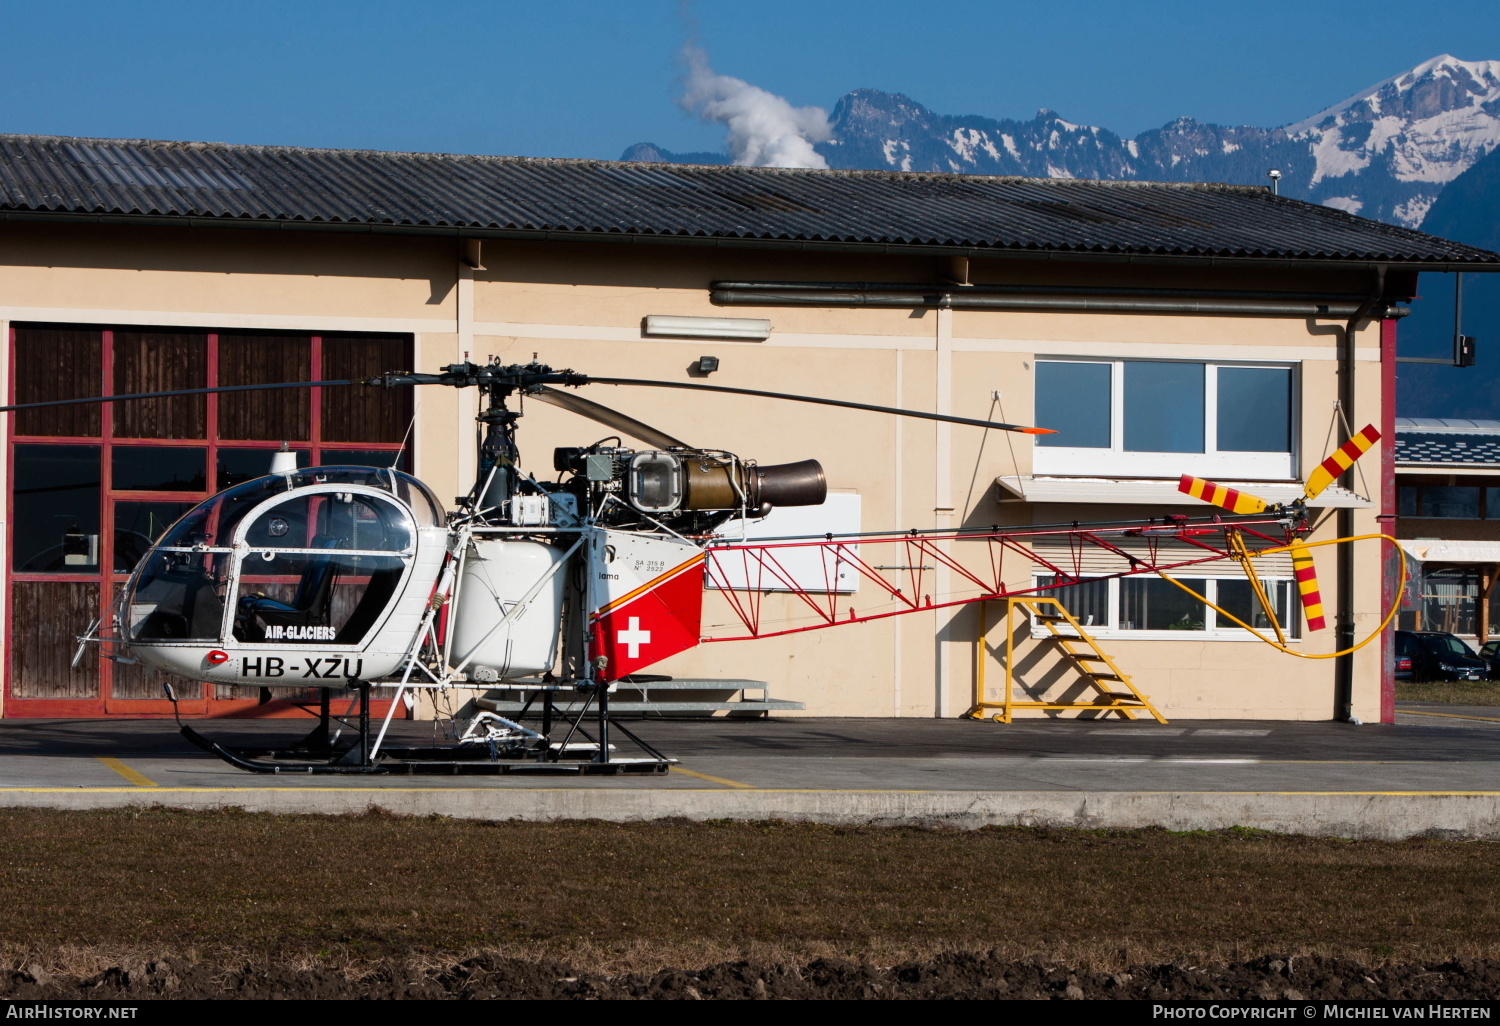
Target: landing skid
<point x="321" y="752"/>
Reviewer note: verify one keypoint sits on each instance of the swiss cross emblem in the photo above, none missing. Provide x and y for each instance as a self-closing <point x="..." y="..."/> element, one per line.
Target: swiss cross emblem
<point x="632" y="637"/>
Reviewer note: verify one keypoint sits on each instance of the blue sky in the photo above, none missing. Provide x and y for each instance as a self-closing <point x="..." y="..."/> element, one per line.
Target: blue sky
<point x="585" y="79"/>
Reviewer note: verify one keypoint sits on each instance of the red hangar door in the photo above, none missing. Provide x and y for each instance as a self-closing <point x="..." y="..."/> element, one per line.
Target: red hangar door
<point x="91" y="486"/>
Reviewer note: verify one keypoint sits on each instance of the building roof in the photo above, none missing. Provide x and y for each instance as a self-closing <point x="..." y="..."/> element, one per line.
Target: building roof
<point x="1446" y="426"/>
<point x="1447" y="442"/>
<point x="213" y="183"/>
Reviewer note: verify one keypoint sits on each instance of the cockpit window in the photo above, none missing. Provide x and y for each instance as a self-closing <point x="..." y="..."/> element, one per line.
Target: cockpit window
<point x="323" y="520"/>
<point x="178" y="596"/>
<point x="214" y="522"/>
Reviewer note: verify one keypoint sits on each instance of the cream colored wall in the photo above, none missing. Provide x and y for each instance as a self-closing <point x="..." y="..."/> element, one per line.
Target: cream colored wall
<point x="581" y="305"/>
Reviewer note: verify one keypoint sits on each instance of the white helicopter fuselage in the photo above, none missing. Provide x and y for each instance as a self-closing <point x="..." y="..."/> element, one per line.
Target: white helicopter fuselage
<point x="314" y="579"/>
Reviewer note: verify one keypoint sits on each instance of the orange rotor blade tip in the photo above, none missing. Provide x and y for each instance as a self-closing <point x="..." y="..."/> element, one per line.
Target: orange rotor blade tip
<point x="1039" y="431"/>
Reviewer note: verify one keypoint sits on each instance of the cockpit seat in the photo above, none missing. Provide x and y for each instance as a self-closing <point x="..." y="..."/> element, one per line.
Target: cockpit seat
<point x="309" y="604"/>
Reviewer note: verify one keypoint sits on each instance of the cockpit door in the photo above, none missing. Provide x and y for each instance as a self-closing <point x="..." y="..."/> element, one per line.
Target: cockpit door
<point x="319" y="566"/>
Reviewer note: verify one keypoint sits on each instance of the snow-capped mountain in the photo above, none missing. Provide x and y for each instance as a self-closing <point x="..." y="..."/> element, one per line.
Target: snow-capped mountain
<point x="1385" y="152"/>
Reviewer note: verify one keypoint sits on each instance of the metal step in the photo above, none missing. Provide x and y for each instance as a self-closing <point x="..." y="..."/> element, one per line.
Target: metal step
<point x="632" y="706"/>
<point x="692" y="684"/>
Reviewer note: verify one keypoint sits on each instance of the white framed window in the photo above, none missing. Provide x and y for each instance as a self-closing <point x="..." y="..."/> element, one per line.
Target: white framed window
<point x="1149" y="608"/>
<point x="1163" y="418"/>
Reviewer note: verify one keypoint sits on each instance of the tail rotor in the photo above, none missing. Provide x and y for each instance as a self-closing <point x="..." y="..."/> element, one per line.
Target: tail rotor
<point x="1231" y="499"/>
<point x="1327" y="472"/>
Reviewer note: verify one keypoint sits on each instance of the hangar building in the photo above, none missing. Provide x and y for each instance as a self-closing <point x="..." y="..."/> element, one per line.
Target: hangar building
<point x="1163" y="328"/>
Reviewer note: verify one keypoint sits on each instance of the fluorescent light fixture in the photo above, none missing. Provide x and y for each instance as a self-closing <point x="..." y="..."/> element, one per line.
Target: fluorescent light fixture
<point x="754" y="329"/>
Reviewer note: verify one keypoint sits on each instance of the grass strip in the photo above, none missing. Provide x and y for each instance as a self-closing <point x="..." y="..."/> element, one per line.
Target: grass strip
<point x="1450" y="692"/>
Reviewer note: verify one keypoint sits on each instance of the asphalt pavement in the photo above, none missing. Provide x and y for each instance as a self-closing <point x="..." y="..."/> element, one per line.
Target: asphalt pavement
<point x="1429" y="749"/>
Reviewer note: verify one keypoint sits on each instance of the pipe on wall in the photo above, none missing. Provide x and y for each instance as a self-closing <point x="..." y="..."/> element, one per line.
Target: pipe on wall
<point x="1353" y="298"/>
<point x="1123" y="303"/>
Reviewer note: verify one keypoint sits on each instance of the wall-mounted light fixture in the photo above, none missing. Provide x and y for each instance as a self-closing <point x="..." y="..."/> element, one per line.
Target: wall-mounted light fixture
<point x="746" y="329"/>
<point x="707" y="365"/>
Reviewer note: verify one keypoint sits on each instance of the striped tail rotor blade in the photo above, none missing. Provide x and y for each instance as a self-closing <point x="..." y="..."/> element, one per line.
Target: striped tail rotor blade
<point x="1307" y="587"/>
<point x="1230" y="498"/>
<point x="1331" y="469"/>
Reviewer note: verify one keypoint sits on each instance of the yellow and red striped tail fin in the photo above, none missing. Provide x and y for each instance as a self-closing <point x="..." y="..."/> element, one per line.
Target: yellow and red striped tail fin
<point x="1230" y="498"/>
<point x="1307" y="587"/>
<point x="1342" y="459"/>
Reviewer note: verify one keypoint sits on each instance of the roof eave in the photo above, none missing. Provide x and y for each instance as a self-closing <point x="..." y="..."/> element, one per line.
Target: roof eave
<point x="726" y="242"/>
<point x="1446" y="469"/>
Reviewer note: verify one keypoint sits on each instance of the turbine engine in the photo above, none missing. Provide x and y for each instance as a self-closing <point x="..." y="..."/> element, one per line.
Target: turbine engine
<point x="691" y="491"/>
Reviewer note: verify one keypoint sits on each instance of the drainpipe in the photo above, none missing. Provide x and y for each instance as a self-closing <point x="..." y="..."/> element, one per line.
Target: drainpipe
<point x="1343" y="666"/>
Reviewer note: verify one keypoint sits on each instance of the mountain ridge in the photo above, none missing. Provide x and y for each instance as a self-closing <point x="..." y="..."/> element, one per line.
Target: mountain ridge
<point x="1386" y="151"/>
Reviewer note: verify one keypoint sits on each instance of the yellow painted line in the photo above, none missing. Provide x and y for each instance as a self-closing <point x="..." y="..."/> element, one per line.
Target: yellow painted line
<point x="125" y="771"/>
<point x="714" y="780"/>
<point x="465" y="791"/>
<point x="1449" y="716"/>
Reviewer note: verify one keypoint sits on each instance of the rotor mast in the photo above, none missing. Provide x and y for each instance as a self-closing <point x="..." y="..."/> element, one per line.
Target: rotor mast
<point x="497" y="474"/>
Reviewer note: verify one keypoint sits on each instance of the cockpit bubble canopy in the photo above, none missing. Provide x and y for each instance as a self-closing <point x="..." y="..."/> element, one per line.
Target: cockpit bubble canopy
<point x="311" y="556"/>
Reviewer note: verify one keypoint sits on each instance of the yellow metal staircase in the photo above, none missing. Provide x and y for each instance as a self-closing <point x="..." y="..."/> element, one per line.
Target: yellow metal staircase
<point x="1114" y="690"/>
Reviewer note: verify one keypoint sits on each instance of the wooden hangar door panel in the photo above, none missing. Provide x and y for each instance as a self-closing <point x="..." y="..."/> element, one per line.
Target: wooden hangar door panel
<point x="90" y="487"/>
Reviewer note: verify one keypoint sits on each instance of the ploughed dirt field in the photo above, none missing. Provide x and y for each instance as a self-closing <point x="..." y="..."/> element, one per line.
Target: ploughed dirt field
<point x="135" y="904"/>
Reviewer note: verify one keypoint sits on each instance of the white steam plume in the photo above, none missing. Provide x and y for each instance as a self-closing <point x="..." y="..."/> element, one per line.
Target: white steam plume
<point x="763" y="129"/>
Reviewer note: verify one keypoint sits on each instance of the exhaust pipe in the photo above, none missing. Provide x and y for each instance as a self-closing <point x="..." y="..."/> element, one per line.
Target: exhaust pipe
<point x="791" y="484"/>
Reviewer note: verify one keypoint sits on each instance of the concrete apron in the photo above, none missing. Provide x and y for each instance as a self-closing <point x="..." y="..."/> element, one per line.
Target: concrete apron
<point x="1364" y="815"/>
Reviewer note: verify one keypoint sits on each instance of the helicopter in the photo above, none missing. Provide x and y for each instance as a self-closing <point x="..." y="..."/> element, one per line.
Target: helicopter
<point x="344" y="579"/>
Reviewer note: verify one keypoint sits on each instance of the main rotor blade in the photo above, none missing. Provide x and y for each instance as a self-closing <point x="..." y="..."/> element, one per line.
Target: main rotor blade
<point x="620" y="422"/>
<point x="178" y="391"/>
<point x="945" y="418"/>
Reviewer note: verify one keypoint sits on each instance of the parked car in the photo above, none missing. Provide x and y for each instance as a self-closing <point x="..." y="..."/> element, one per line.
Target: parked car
<point x="1437" y="655"/>
<point x="1406" y="655"/>
<point x="1490" y="653"/>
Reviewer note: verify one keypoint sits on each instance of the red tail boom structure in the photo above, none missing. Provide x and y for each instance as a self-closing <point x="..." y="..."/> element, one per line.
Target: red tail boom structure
<point x="904" y="576"/>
